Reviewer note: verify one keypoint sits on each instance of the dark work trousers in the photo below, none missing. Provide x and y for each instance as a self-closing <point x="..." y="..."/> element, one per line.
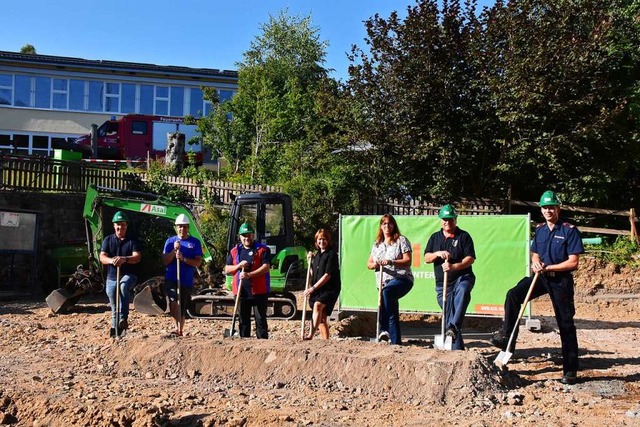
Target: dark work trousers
<point x="390" y="309"/>
<point x="560" y="289"/>
<point x="259" y="305"/>
<point x="458" y="298"/>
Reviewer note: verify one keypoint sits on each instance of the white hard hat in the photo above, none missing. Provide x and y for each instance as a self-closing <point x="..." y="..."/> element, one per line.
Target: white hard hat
<point x="182" y="220"/>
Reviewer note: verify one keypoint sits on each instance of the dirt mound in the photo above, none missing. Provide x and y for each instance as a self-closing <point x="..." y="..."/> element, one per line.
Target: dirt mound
<point x="61" y="370"/>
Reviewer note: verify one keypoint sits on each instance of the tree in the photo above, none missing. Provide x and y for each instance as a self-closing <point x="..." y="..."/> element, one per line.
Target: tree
<point x="29" y="49"/>
<point x="560" y="76"/>
<point x="274" y="105"/>
<point x="530" y="95"/>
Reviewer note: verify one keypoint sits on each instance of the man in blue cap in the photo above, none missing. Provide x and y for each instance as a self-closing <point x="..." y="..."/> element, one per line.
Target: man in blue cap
<point x="555" y="253"/>
<point x="451" y="249"/>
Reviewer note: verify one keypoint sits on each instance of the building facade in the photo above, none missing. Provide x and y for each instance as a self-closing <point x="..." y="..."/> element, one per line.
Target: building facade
<point x="47" y="101"/>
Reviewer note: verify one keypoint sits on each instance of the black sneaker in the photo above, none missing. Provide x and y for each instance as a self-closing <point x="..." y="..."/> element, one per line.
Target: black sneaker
<point x="123" y="325"/>
<point x="569" y="378"/>
<point x="112" y="332"/>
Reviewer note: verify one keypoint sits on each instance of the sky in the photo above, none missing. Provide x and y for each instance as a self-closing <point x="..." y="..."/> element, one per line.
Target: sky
<point x="191" y="33"/>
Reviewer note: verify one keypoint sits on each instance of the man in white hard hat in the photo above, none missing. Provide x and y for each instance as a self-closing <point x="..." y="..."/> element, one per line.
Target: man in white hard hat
<point x="186" y="250"/>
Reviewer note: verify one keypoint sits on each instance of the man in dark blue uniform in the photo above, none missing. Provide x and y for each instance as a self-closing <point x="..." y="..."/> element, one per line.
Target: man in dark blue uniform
<point x="555" y="253"/>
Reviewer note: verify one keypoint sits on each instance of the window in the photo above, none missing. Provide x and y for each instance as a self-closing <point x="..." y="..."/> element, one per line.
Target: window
<point x="146" y="99"/>
<point x="177" y="101"/>
<point x="43" y="92"/>
<point x="76" y="95"/>
<point x="40" y="143"/>
<point x="128" y="98"/>
<point x="139" y="128"/>
<point x="6" y="88"/>
<point x="21" y="142"/>
<point x="225" y="95"/>
<point x="162" y="100"/>
<point x="195" y="108"/>
<point x="274" y="220"/>
<point x="95" y="96"/>
<point x="23" y="91"/>
<point x="60" y="94"/>
<point x="112" y="97"/>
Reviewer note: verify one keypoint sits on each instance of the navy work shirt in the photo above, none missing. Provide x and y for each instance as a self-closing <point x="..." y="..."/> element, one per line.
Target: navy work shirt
<point x="113" y="247"/>
<point x="459" y="247"/>
<point x="555" y="245"/>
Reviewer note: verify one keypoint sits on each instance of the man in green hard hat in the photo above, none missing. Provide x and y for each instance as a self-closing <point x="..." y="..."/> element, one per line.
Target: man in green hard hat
<point x="249" y="263"/>
<point x="451" y="250"/>
<point x="555" y="253"/>
<point x="119" y="250"/>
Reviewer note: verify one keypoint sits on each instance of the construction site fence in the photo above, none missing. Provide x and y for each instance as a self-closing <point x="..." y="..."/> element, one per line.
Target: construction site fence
<point x="44" y="174"/>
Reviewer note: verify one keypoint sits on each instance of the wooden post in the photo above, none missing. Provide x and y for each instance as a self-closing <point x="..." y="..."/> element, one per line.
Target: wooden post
<point x="633" y="235"/>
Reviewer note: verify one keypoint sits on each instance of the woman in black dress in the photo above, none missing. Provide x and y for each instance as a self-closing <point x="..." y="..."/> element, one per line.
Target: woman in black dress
<point x="325" y="276"/>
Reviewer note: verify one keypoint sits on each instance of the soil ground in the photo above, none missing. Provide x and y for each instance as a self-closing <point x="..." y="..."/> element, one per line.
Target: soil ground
<point x="62" y="370"/>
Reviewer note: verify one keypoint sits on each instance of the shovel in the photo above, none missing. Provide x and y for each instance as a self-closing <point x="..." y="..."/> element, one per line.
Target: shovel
<point x="179" y="299"/>
<point x="117" y="301"/>
<point x="231" y="332"/>
<point x="304" y="303"/>
<point x="377" y="338"/>
<point x="503" y="357"/>
<point x="442" y="342"/>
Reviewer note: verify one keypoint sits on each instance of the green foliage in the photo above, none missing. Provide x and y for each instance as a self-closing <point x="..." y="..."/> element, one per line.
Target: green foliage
<point x="530" y="95"/>
<point x="213" y="222"/>
<point x="622" y="252"/>
<point x="156" y="184"/>
<point x="28" y="48"/>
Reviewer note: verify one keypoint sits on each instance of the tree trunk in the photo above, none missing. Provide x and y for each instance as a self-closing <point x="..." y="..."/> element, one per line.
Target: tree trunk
<point x="175" y="151"/>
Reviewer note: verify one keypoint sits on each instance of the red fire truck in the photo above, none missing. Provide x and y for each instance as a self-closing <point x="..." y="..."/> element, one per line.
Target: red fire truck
<point x="137" y="136"/>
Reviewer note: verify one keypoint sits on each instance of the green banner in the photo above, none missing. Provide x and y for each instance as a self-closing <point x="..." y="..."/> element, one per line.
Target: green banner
<point x="502" y="259"/>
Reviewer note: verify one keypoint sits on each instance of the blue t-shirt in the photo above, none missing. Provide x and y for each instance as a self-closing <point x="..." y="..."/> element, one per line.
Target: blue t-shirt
<point x="190" y="248"/>
<point x="112" y="246"/>
<point x="554" y="246"/>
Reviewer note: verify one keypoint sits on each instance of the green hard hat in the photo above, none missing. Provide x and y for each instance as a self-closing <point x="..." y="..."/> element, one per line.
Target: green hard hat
<point x="120" y="217"/>
<point x="246" y="228"/>
<point x="448" y="212"/>
<point x="549" y="198"/>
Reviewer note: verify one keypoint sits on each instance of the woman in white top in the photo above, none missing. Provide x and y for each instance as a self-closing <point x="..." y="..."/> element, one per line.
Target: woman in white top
<point x="392" y="251"/>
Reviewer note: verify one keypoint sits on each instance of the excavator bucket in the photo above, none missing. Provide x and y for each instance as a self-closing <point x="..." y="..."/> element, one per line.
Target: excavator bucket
<point x="61" y="300"/>
<point x="151" y="300"/>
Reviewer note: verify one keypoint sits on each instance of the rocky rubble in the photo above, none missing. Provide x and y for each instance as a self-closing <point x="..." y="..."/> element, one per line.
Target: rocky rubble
<point x="61" y="370"/>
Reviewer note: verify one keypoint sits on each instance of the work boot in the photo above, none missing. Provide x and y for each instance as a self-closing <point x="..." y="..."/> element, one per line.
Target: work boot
<point x="384" y="336"/>
<point x="451" y="332"/>
<point x="123" y="324"/>
<point x="112" y="332"/>
<point x="500" y="341"/>
<point x="569" y="378"/>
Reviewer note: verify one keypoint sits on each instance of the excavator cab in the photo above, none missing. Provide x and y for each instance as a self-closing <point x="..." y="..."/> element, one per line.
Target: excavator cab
<point x="271" y="214"/>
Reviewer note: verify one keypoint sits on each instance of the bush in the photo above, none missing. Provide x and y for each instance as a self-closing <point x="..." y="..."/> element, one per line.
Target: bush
<point x="622" y="252"/>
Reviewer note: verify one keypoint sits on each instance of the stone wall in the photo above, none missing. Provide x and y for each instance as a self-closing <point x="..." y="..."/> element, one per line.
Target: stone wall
<point x="60" y="222"/>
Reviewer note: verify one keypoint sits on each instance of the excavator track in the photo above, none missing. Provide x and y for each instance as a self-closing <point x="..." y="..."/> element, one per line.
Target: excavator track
<point x="218" y="304"/>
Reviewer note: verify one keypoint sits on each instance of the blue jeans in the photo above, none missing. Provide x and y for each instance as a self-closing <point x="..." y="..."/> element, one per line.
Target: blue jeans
<point x="392" y="291"/>
<point x="127" y="282"/>
<point x="458" y="298"/>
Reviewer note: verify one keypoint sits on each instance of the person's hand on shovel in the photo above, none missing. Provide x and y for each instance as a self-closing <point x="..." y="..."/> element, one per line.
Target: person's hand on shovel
<point x="176" y="247"/>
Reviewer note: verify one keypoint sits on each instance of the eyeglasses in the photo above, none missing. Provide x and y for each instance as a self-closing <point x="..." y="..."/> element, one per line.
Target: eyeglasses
<point x="388" y="224"/>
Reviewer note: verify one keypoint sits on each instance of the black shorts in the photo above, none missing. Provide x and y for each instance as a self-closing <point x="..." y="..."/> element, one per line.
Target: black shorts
<point x="170" y="289"/>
